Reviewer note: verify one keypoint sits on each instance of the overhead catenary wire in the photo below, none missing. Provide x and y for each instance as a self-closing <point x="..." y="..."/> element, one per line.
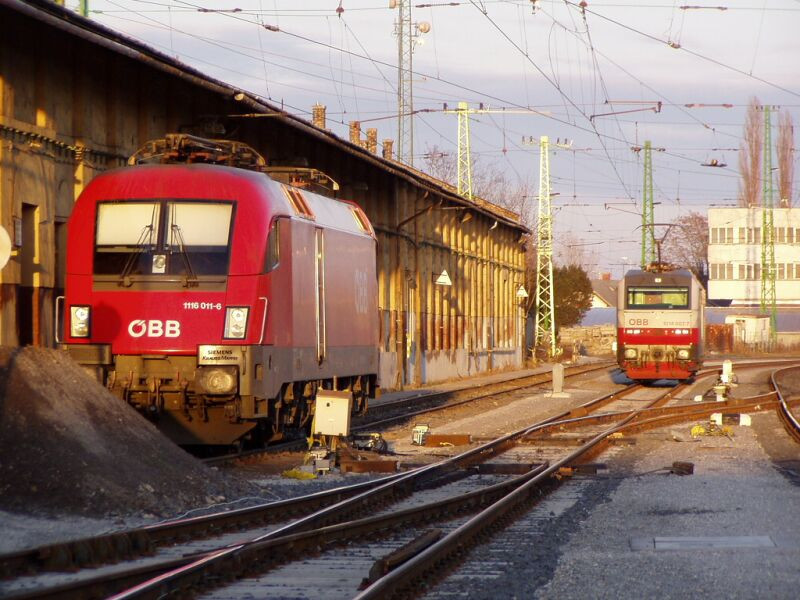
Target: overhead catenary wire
<point x="582" y="160"/>
<point x="477" y="91"/>
<point x="418" y="73"/>
<point x="683" y="49"/>
<point x="560" y="91"/>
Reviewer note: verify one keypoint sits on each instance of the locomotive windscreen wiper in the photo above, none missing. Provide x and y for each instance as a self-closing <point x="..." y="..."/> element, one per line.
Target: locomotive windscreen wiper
<point x="133" y="258"/>
<point x="190" y="279"/>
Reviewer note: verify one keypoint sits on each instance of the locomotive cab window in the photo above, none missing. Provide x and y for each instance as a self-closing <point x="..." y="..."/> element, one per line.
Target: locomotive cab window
<point x="273" y="247"/>
<point x="166" y="237"/>
<point x="657" y="298"/>
<point x="197" y="237"/>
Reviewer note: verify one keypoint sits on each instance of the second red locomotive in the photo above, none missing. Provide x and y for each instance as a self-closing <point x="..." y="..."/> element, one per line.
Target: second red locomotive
<point x="660" y="324"/>
<point x="216" y="299"/>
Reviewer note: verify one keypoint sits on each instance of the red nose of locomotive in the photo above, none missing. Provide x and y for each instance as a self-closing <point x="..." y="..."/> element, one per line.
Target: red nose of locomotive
<point x="134" y="323"/>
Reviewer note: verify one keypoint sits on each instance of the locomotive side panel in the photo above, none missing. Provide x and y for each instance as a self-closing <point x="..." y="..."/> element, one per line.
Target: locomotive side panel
<point x="351" y="290"/>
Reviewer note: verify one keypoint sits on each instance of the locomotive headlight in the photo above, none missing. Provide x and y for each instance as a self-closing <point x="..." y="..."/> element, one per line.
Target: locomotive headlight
<point x="79" y="321"/>
<point x="216" y="379"/>
<point x="683" y="354"/>
<point x="236" y="322"/>
<point x="630" y="353"/>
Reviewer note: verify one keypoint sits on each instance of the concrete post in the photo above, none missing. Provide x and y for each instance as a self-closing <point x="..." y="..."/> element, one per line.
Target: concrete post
<point x="558" y="382"/>
<point x="558" y="378"/>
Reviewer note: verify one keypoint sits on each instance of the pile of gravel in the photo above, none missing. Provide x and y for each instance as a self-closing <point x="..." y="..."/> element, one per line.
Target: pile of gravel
<point x="67" y="445"/>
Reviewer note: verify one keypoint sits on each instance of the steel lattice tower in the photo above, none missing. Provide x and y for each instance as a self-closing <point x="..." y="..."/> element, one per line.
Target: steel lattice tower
<point x="768" y="234"/>
<point x="648" y="218"/>
<point x="545" y="329"/>
<point x="405" y="98"/>
<point x="464" y="157"/>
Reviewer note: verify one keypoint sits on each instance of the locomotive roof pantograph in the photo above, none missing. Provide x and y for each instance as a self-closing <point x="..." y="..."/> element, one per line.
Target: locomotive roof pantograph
<point x="182" y="148"/>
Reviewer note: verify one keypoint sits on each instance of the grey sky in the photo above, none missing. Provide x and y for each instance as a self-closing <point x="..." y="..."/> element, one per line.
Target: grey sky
<point x="518" y="54"/>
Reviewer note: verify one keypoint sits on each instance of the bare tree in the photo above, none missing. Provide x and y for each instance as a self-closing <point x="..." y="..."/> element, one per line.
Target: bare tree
<point x="686" y="245"/>
<point x="489" y="182"/>
<point x="571" y="251"/>
<point x="441" y="165"/>
<point x="750" y="156"/>
<point x="785" y="162"/>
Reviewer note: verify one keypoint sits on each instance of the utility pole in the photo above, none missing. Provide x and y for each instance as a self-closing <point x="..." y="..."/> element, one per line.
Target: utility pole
<point x="464" y="158"/>
<point x="768" y="235"/>
<point x="83" y="7"/>
<point x="545" y="328"/>
<point x="464" y="155"/>
<point x="648" y="217"/>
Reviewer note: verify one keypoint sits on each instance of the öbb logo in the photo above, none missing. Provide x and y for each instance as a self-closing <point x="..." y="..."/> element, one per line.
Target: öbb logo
<point x="139" y="327"/>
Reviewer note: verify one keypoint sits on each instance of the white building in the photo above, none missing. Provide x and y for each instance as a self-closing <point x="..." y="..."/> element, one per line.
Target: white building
<point x="734" y="255"/>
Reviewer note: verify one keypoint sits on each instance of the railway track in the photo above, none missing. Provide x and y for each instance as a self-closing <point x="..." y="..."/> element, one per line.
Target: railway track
<point x="789" y="418"/>
<point x="395" y="411"/>
<point x="340" y="516"/>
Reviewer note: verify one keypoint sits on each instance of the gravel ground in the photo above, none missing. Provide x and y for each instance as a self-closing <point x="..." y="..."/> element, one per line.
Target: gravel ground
<point x="735" y="491"/>
<point x="581" y="542"/>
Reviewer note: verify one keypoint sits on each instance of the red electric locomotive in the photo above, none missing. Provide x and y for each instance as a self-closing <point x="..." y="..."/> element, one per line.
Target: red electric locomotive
<point x="215" y="299"/>
<point x="660" y="324"/>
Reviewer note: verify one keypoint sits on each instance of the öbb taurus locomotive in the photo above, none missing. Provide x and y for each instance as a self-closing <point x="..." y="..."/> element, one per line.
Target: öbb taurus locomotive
<point x="660" y="325"/>
<point x="216" y="299"/>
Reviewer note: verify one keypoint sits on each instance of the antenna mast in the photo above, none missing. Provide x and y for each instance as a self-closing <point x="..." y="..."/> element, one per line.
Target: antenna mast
<point x="407" y="34"/>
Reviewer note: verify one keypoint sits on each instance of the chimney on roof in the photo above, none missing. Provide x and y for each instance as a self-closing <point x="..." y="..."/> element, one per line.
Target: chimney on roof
<point x="605" y="276"/>
<point x="318" y="115"/>
<point x="355" y="132"/>
<point x="372" y="140"/>
<point x="387" y="149"/>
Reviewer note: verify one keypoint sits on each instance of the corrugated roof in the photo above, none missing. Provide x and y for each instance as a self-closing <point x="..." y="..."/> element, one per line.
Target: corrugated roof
<point x="72" y="23"/>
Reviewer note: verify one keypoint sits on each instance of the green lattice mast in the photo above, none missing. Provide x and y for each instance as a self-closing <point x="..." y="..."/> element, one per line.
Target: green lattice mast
<point x="464" y="158"/>
<point x="648" y="236"/>
<point x="545" y="332"/>
<point x="768" y="235"/>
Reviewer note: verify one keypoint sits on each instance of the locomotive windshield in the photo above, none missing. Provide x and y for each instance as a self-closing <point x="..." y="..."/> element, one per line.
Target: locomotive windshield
<point x="170" y="237"/>
<point x="657" y="298"/>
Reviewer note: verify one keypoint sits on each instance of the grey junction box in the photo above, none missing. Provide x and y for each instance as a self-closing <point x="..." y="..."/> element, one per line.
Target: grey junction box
<point x="332" y="416"/>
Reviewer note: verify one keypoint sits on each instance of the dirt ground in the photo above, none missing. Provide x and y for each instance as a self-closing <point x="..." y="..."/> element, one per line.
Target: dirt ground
<point x="68" y="446"/>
